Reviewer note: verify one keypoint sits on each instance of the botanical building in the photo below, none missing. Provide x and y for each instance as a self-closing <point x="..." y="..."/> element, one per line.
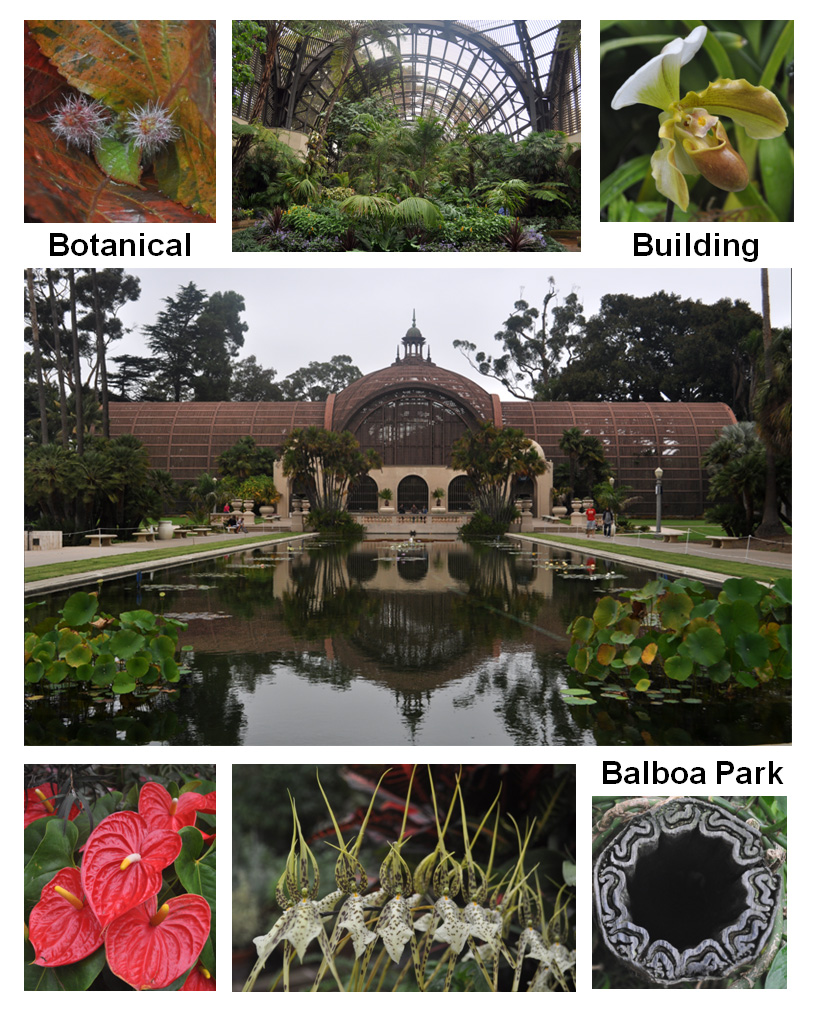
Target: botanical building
<point x="412" y="411"/>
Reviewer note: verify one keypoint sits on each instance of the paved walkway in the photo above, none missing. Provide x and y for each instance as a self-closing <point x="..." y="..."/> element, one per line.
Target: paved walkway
<point x="599" y="545"/>
<point x="128" y="553"/>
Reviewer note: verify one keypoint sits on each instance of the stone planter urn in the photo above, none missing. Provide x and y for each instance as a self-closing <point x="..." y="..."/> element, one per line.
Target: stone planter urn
<point x="267" y="511"/>
<point x="559" y="511"/>
<point x="576" y="505"/>
<point x="165" y="532"/>
<point x="249" y="505"/>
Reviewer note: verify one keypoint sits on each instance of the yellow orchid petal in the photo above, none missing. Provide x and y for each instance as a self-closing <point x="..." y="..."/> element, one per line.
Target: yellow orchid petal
<point x="669" y="180"/>
<point x="754" y="108"/>
<point x="657" y="83"/>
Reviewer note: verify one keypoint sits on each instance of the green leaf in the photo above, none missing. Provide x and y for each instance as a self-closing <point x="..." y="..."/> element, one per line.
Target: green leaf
<point x="33" y="671"/>
<point x="197" y="874"/>
<point x="778" y="974"/>
<point x="126" y="643"/>
<point x="705" y="646"/>
<point x="55" y="852"/>
<point x="139" y="617"/>
<point x="632" y="656"/>
<point x="121" y="161"/>
<point x="606" y="612"/>
<point x="623" y="177"/>
<point x="124" y="683"/>
<point x="582" y="629"/>
<point x="752" y="649"/>
<point x="679" y="668"/>
<point x="81" y="654"/>
<point x="70" y="978"/>
<point x="776" y="166"/>
<point x="643" y="685"/>
<point x="80" y="608"/>
<point x="674" y="610"/>
<point x="568" y="872"/>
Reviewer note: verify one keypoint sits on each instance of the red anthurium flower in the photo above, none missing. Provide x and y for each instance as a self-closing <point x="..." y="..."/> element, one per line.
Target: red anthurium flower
<point x="62" y="927"/>
<point x="199" y="980"/>
<point x="149" y="948"/>
<point x="38" y="803"/>
<point x="123" y="862"/>
<point x="163" y="812"/>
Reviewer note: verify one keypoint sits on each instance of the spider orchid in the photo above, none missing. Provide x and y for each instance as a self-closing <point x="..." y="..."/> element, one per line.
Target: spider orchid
<point x="302" y="919"/>
<point x="693" y="141"/>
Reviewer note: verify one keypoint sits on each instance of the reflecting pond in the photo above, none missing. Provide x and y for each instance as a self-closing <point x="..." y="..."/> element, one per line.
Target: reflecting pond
<point x="435" y="643"/>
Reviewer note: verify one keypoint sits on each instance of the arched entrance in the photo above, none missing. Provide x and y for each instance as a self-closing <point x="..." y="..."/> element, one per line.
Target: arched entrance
<point x="362" y="496"/>
<point x="412" y="492"/>
<point x="460" y="492"/>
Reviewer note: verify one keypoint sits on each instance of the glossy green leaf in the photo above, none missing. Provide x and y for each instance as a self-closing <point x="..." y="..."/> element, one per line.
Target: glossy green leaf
<point x="752" y="649"/>
<point x="126" y="643"/>
<point x="196" y="872"/>
<point x="121" y="161"/>
<point x="582" y="629"/>
<point x="675" y="610"/>
<point x="776" y="167"/>
<point x="679" y="668"/>
<point x="606" y="612"/>
<point x="626" y="175"/>
<point x="54" y="852"/>
<point x="80" y="608"/>
<point x="71" y="978"/>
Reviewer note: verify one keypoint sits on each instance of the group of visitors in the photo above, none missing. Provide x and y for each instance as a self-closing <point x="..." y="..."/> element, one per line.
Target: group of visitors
<point x="235" y="521"/>
<point x="608" y="519"/>
<point x="422" y="513"/>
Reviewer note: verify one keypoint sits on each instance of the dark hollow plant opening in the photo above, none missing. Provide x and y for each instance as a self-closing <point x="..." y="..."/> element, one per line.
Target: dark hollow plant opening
<point x="687" y="889"/>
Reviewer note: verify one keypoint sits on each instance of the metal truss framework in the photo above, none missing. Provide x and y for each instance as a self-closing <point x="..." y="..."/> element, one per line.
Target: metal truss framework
<point x="495" y="76"/>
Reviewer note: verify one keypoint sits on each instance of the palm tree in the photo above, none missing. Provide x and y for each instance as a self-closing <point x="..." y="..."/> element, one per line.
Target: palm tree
<point x="346" y="37"/>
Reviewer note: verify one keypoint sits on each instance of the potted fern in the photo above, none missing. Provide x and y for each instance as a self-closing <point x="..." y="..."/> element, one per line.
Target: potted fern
<point x="437" y="494"/>
<point x="386" y="496"/>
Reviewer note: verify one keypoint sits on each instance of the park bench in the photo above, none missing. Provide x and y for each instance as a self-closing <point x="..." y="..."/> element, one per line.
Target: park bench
<point x="180" y="532"/>
<point x="100" y="541"/>
<point x="723" y="541"/>
<point x="144" y="536"/>
<point x="670" y="537"/>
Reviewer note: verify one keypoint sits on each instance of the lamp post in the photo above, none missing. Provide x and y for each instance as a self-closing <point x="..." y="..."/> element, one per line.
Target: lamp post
<point x="611" y="506"/>
<point x="659" y="496"/>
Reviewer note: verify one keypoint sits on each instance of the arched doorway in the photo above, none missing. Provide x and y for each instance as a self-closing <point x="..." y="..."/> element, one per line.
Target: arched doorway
<point x="362" y="497"/>
<point x="460" y="492"/>
<point x="524" y="487"/>
<point x="412" y="492"/>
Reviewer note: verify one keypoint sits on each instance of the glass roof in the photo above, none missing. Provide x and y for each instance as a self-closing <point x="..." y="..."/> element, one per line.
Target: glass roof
<point x="508" y="76"/>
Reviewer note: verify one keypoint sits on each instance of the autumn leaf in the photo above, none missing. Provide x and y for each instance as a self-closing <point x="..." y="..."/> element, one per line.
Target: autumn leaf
<point x="126" y="64"/>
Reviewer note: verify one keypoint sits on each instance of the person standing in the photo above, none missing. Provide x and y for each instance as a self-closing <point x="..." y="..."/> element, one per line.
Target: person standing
<point x="608" y="519"/>
<point x="590" y="521"/>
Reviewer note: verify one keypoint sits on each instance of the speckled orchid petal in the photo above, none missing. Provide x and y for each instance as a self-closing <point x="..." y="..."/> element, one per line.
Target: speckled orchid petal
<point x="454" y="930"/>
<point x="657" y="83"/>
<point x="352" y="919"/>
<point x="532" y="945"/>
<point x="299" y="925"/>
<point x="754" y="108"/>
<point x="483" y="924"/>
<point x="394" y="926"/>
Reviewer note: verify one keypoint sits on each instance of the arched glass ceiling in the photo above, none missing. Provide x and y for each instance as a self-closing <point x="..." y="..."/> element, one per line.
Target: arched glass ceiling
<point x="508" y="76"/>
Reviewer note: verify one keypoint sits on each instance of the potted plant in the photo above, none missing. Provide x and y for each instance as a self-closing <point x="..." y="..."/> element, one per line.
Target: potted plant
<point x="259" y="489"/>
<point x="437" y="494"/>
<point x="386" y="496"/>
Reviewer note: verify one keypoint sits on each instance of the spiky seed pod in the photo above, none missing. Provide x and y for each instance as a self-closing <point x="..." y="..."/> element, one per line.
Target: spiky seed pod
<point x="151" y="127"/>
<point x="81" y="122"/>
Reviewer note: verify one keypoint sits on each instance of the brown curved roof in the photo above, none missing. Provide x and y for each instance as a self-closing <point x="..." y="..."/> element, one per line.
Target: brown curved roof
<point x="637" y="436"/>
<point x="412" y="372"/>
<point x="186" y="439"/>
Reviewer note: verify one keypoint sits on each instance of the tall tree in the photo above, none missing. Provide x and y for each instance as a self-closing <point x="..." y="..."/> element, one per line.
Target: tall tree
<point x="193" y="340"/>
<point x="244" y="33"/>
<point x="251" y="382"/>
<point x="319" y="379"/>
<point x="52" y="298"/>
<point x="532" y="351"/>
<point x="771" y="526"/>
<point x="80" y="421"/>
<point x="35" y="337"/>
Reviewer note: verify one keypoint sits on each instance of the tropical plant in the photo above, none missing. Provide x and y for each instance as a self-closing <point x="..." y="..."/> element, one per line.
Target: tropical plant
<point x="99" y="913"/>
<point x="735" y="463"/>
<point x="502" y="908"/>
<point x="245" y="458"/>
<point x="386" y="495"/>
<point x="492" y="458"/>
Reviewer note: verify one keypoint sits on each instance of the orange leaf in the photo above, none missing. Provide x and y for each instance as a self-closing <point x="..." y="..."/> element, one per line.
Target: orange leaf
<point x="648" y="655"/>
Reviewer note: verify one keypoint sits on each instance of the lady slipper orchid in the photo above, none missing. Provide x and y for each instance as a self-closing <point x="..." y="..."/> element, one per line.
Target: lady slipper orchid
<point x="123" y="862"/>
<point x="163" y="812"/>
<point x="149" y="948"/>
<point x="62" y="928"/>
<point x="693" y="141"/>
<point x="38" y="804"/>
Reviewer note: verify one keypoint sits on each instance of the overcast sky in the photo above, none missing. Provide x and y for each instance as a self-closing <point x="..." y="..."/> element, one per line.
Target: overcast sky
<point x="299" y="315"/>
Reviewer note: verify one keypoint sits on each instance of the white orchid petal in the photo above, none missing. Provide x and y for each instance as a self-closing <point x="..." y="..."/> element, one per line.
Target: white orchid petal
<point x="657" y="82"/>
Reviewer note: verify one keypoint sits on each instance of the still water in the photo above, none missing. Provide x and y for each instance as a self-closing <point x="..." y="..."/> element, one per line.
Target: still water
<point x="436" y="644"/>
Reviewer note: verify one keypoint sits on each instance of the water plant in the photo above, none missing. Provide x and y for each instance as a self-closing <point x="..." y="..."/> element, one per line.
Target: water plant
<point x="462" y="913"/>
<point x="114" y="894"/>
<point x="132" y="652"/>
<point x="670" y="632"/>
